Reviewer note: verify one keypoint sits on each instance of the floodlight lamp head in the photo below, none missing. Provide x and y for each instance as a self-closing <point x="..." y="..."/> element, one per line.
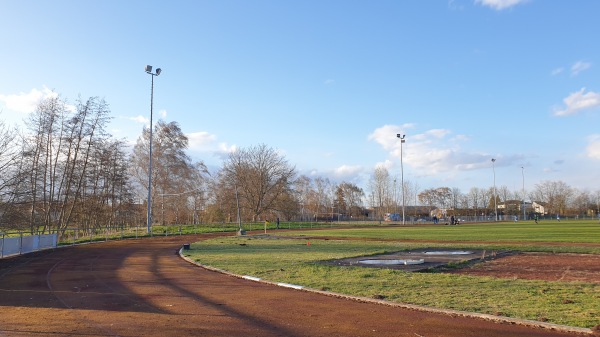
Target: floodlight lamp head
<point x="158" y="71"/>
<point x="493" y="160"/>
<point x="400" y="136"/>
<point x="148" y="68"/>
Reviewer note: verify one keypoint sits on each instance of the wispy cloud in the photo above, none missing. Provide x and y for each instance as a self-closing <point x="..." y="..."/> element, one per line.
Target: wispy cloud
<point x="222" y="150"/>
<point x="592" y="150"/>
<point x="579" y="66"/>
<point x="204" y="143"/>
<point x="329" y="82"/>
<point x="578" y="101"/>
<point x="26" y="102"/>
<point x="139" y="119"/>
<point x="386" y="135"/>
<point x="452" y="4"/>
<point x="430" y="152"/>
<point x="200" y="140"/>
<point x="557" y="71"/>
<point x="500" y="4"/>
<point x="348" y="171"/>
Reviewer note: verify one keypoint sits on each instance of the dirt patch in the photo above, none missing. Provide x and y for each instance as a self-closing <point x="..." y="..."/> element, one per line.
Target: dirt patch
<point x="540" y="266"/>
<point x="567" y="267"/>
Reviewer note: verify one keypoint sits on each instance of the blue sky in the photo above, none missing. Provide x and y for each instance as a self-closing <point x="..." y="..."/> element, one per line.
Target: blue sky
<point x="330" y="83"/>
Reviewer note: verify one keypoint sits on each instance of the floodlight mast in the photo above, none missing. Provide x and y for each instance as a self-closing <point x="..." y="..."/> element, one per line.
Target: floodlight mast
<point x="495" y="206"/>
<point x="524" y="205"/>
<point x="402" y="140"/>
<point x="149" y="215"/>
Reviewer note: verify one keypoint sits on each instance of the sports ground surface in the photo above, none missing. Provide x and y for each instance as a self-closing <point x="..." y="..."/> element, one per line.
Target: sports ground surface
<point x="143" y="288"/>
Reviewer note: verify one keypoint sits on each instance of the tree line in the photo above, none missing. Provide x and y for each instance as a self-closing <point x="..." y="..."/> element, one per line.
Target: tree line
<point x="64" y="170"/>
<point x="557" y="197"/>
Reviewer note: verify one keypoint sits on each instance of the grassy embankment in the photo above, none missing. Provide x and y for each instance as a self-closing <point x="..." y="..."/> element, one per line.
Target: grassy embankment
<point x="292" y="260"/>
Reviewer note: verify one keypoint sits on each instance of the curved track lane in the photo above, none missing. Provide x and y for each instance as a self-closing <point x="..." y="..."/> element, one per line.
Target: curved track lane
<point x="142" y="288"/>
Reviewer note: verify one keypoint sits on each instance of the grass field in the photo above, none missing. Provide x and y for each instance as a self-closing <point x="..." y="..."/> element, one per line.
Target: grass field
<point x="291" y="260"/>
<point x="528" y="231"/>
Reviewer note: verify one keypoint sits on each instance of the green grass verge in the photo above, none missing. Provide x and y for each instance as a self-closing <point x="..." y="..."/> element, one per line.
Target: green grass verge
<point x="293" y="261"/>
<point x="526" y="231"/>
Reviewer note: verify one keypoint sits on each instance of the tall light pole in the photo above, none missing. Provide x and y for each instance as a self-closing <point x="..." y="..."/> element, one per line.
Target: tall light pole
<point x="149" y="216"/>
<point x="401" y="172"/>
<point x="395" y="199"/>
<point x="495" y="207"/>
<point x="524" y="207"/>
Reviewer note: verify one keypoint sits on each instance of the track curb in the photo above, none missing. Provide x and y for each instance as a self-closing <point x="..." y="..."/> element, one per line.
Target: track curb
<point x="488" y="317"/>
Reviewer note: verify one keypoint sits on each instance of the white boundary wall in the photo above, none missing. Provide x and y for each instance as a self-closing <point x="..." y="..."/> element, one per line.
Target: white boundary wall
<point x="26" y="244"/>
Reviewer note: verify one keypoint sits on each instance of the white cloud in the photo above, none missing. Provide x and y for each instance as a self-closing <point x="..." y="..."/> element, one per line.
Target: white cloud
<point x="500" y="4"/>
<point x="348" y="170"/>
<point x="204" y="143"/>
<point x="388" y="164"/>
<point x="593" y="148"/>
<point x="145" y="120"/>
<point x="223" y="150"/>
<point x="579" y="66"/>
<point x="577" y="101"/>
<point x="200" y="140"/>
<point x="386" y="135"/>
<point x="557" y="71"/>
<point x="140" y="119"/>
<point x="429" y="153"/>
<point x="227" y="148"/>
<point x="437" y="133"/>
<point x="455" y="6"/>
<point x="26" y="102"/>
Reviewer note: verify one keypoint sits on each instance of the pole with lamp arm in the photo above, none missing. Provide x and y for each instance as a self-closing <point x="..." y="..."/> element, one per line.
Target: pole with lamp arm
<point x="149" y="215"/>
<point x="524" y="206"/>
<point x="495" y="206"/>
<point x="402" y="140"/>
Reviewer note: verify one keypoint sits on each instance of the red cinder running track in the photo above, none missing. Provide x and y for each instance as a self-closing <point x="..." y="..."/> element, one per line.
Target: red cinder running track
<point x="142" y="288"/>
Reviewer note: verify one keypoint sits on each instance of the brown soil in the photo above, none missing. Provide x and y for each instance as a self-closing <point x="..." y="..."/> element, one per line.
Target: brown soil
<point x="541" y="266"/>
<point x="143" y="288"/>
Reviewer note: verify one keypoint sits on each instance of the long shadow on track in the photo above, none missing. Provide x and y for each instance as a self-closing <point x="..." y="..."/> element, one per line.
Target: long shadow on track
<point x="141" y="288"/>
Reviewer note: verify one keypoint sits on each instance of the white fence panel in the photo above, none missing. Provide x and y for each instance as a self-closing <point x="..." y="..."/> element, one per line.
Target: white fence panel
<point x="29" y="244"/>
<point x="48" y="241"/>
<point x="11" y="246"/>
<point x="26" y="244"/>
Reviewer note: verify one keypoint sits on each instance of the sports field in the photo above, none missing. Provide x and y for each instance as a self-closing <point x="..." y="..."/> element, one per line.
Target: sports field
<point x="142" y="287"/>
<point x="552" y="273"/>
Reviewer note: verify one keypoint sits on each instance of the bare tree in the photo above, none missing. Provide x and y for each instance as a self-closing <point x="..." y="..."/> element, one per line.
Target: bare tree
<point x="475" y="199"/>
<point x="41" y="150"/>
<point x="59" y="150"/>
<point x="320" y="195"/>
<point x="455" y="197"/>
<point x="379" y="185"/>
<point x="596" y="198"/>
<point x="503" y="193"/>
<point x="12" y="179"/>
<point x="262" y="177"/>
<point x="428" y="198"/>
<point x="582" y="202"/>
<point x="349" y="199"/>
<point x="556" y="193"/>
<point x="177" y="182"/>
<point x="303" y="189"/>
<point x="412" y="193"/>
